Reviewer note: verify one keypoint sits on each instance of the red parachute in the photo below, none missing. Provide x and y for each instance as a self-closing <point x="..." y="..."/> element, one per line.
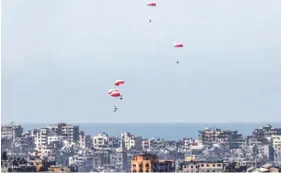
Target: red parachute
<point x="178" y="45"/>
<point x="112" y="90"/>
<point x="115" y="94"/>
<point x="119" y="82"/>
<point x="151" y="3"/>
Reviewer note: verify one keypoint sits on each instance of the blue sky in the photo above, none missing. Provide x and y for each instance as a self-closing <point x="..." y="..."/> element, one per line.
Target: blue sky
<point x="60" y="57"/>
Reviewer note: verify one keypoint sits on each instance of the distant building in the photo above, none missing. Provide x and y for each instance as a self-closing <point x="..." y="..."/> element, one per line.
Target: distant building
<point x="84" y="164"/>
<point x="193" y="144"/>
<point x="145" y="144"/>
<point x="226" y="138"/>
<point x="165" y="166"/>
<point x="52" y="139"/>
<point x="130" y="141"/>
<point x="44" y="150"/>
<point x="68" y="132"/>
<point x="266" y="131"/>
<point x="201" y="166"/>
<point x="150" y="163"/>
<point x="119" y="160"/>
<point x="276" y="144"/>
<point x="114" y="142"/>
<point x="85" y="141"/>
<point x="42" y="137"/>
<point x="101" y="140"/>
<point x="171" y="144"/>
<point x="253" y="141"/>
<point x="53" y="133"/>
<point x="11" y="131"/>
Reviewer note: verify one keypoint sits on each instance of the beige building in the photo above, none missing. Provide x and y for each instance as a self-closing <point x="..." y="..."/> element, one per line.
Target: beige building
<point x="198" y="166"/>
<point x="44" y="150"/>
<point x="130" y="141"/>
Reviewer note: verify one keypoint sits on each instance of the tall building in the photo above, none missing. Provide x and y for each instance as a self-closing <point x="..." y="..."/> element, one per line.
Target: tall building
<point x="145" y="144"/>
<point x="119" y="161"/>
<point x="53" y="133"/>
<point x="42" y="137"/>
<point x="101" y="140"/>
<point x="11" y="131"/>
<point x="68" y="132"/>
<point x="266" y="131"/>
<point x="150" y="163"/>
<point x="85" y="141"/>
<point x="226" y="138"/>
<point x="276" y="144"/>
<point x="131" y="141"/>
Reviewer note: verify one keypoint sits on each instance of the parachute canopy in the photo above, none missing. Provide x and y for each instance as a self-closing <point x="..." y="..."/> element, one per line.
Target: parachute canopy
<point x="178" y="45"/>
<point x="115" y="94"/>
<point x="119" y="82"/>
<point x="112" y="90"/>
<point x="151" y="3"/>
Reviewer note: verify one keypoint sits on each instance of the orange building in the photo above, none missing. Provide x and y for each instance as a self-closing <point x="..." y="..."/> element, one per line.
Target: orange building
<point x="150" y="163"/>
<point x="58" y="169"/>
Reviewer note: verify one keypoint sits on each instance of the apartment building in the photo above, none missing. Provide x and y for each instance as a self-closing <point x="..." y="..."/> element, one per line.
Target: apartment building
<point x="150" y="163"/>
<point x="11" y="131"/>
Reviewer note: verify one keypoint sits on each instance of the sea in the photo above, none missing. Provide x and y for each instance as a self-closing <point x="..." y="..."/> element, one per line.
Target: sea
<point x="167" y="131"/>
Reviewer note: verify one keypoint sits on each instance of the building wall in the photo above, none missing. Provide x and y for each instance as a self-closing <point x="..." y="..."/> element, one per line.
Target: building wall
<point x="44" y="150"/>
<point x="196" y="166"/>
<point x="119" y="160"/>
<point x="52" y="139"/>
<point x="100" y="141"/>
<point x="68" y="132"/>
<point x="150" y="163"/>
<point x="276" y="144"/>
<point x="11" y="131"/>
<point x="130" y="141"/>
<point x="42" y="137"/>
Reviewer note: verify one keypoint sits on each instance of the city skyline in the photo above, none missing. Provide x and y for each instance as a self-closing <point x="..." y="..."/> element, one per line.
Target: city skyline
<point x="65" y="146"/>
<point x="59" y="58"/>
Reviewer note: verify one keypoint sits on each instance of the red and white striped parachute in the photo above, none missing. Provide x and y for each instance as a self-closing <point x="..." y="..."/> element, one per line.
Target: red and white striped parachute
<point x="112" y="90"/>
<point x="115" y="94"/>
<point x="151" y="3"/>
<point x="119" y="82"/>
